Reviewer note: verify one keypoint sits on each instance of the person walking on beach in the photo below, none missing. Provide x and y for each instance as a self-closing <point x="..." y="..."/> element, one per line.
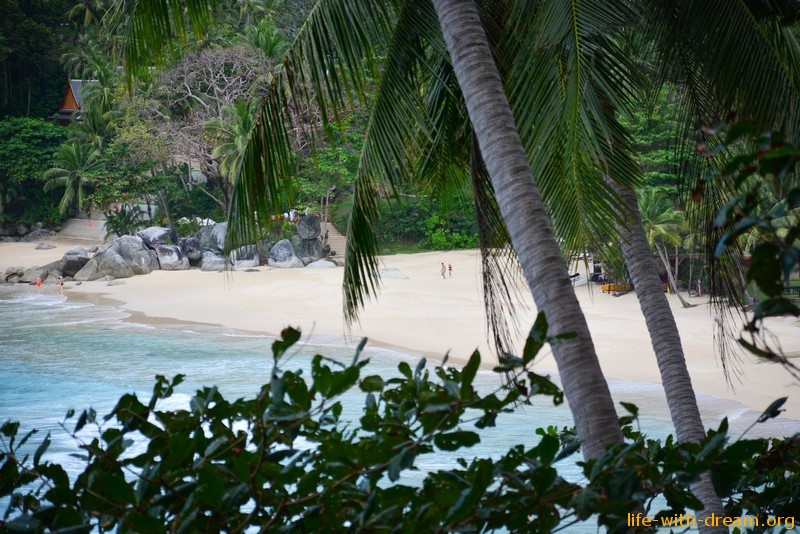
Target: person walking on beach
<point x="450" y="269"/>
<point x="61" y="284"/>
<point x="443" y="271"/>
<point x="39" y="283"/>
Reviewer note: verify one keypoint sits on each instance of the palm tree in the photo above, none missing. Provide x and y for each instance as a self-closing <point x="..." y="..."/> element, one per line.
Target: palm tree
<point x="593" y="139"/>
<point x="662" y="225"/>
<point x="72" y="169"/>
<point x="235" y="133"/>
<point x="334" y="77"/>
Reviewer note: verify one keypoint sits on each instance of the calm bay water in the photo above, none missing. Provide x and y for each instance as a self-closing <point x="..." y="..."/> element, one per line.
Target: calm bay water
<point x="57" y="355"/>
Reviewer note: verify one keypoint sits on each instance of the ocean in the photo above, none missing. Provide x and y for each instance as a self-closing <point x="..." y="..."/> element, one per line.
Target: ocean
<point x="58" y="354"/>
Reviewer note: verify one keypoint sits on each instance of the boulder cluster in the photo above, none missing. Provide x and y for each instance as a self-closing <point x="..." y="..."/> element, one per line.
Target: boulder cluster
<point x="24" y="232"/>
<point x="157" y="248"/>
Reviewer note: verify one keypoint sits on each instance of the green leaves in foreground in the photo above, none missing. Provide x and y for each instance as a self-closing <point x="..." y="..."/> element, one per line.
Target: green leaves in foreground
<point x="294" y="458"/>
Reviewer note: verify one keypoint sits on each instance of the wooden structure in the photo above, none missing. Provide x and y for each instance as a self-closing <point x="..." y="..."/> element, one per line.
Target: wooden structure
<point x="71" y="105"/>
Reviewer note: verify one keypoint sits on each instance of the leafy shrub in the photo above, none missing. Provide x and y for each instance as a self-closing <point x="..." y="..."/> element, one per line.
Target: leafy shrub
<point x="125" y="221"/>
<point x="288" y="460"/>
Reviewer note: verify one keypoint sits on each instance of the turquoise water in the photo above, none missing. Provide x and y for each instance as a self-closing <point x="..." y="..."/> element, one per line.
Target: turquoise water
<point x="57" y="355"/>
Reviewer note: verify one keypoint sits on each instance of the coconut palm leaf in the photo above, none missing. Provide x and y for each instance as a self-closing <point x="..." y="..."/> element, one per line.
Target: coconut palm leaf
<point x="73" y="165"/>
<point x="567" y="82"/>
<point x="148" y="30"/>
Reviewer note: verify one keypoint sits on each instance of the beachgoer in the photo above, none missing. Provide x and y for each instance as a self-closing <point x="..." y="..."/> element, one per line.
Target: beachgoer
<point x="444" y="270"/>
<point x="450" y="269"/>
<point x="61" y="283"/>
<point x="38" y="282"/>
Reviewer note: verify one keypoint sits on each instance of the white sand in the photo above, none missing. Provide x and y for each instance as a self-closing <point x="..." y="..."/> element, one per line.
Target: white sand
<point x="427" y="314"/>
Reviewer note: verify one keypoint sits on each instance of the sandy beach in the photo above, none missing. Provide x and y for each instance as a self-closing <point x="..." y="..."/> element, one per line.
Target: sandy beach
<point x="419" y="311"/>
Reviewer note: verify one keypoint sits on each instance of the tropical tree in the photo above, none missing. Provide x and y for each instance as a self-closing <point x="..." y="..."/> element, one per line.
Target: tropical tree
<point x="662" y="225"/>
<point x="72" y="169"/>
<point x="587" y="98"/>
<point x="234" y="130"/>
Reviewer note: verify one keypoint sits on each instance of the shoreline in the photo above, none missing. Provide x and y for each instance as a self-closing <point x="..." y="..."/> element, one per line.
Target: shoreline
<point x="418" y="312"/>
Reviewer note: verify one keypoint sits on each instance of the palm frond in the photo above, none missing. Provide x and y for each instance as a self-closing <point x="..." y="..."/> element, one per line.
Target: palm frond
<point x="149" y="29"/>
<point x="566" y="85"/>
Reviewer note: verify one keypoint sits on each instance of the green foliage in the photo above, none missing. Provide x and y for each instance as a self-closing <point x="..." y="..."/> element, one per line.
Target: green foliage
<point x="653" y="125"/>
<point x="27" y="147"/>
<point x="25" y="151"/>
<point x="764" y="210"/>
<point x="125" y="220"/>
<point x="32" y="37"/>
<point x="335" y="164"/>
<point x="433" y="226"/>
<point x="289" y="459"/>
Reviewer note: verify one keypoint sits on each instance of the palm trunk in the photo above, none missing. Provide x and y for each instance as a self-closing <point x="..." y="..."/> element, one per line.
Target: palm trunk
<point x="529" y="227"/>
<point x="662" y="253"/>
<point x="666" y="344"/>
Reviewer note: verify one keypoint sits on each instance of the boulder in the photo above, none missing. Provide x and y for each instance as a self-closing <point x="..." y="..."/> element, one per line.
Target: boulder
<point x="191" y="248"/>
<point x="36" y="235"/>
<point x="73" y="261"/>
<point x="44" y="246"/>
<point x="213" y="237"/>
<point x="212" y="261"/>
<point x="30" y="275"/>
<point x="14" y="274"/>
<point x="22" y="229"/>
<point x="245" y="257"/>
<point x="172" y="258"/>
<point x="155" y="236"/>
<point x="122" y="258"/>
<point x="308" y="227"/>
<point x="282" y="256"/>
<point x="218" y="236"/>
<point x="311" y="248"/>
<point x="321" y="264"/>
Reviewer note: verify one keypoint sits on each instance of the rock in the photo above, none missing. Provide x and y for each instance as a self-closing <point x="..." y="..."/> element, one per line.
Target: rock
<point x="245" y="257"/>
<point x="321" y="264"/>
<point x="116" y="283"/>
<point x="282" y="256"/>
<point x="155" y="236"/>
<point x="308" y="227"/>
<point x="125" y="257"/>
<point x="44" y="246"/>
<point x="38" y="226"/>
<point x="14" y="274"/>
<point x="37" y="235"/>
<point x="30" y="275"/>
<point x="218" y="236"/>
<point x="212" y="261"/>
<point x="213" y="237"/>
<point x="311" y="248"/>
<point x="251" y="270"/>
<point x="22" y="229"/>
<point x="172" y="258"/>
<point x="73" y="261"/>
<point x="191" y="248"/>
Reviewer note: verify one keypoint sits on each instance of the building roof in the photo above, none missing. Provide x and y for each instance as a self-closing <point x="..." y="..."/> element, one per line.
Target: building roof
<point x="72" y="101"/>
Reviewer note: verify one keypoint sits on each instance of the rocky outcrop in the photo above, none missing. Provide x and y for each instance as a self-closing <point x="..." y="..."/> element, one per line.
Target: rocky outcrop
<point x="213" y="237"/>
<point x="245" y="257"/>
<point x="122" y="258"/>
<point x="310" y="248"/>
<point x="171" y="258"/>
<point x="73" y="261"/>
<point x="155" y="236"/>
<point x="44" y="246"/>
<point x="321" y="264"/>
<point x="191" y="248"/>
<point x="308" y="227"/>
<point x="211" y="261"/>
<point x="13" y="274"/>
<point x="282" y="256"/>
